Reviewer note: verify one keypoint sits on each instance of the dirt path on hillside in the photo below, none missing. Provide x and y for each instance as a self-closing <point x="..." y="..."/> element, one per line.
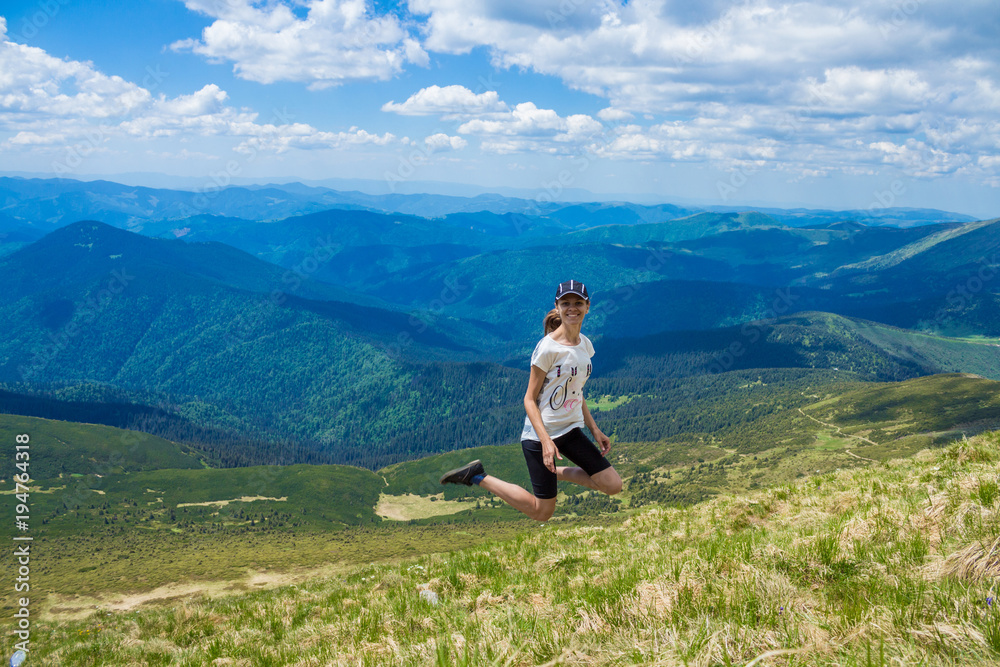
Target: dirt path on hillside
<point x="74" y="607"/>
<point x="841" y="433"/>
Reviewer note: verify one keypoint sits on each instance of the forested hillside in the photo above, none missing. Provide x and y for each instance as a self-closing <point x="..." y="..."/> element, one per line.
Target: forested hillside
<point x="370" y="334"/>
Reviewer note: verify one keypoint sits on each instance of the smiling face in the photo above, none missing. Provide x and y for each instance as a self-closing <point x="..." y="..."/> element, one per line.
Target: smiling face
<point x="572" y="309"/>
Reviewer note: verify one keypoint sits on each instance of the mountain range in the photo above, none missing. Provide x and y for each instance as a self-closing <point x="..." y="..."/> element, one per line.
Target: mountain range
<point x="373" y="334"/>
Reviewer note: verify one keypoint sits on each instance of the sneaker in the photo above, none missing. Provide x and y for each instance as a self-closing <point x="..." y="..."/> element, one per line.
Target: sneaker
<point x="464" y="474"/>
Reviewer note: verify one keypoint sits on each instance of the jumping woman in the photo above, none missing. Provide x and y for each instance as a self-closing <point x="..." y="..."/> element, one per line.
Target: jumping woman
<point x="556" y="414"/>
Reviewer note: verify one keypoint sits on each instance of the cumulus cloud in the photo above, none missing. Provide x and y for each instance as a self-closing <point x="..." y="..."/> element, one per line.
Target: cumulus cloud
<point x="813" y="85"/>
<point x="210" y="99"/>
<point x="920" y="159"/>
<point x="35" y="85"/>
<point x="441" y="142"/>
<point x="856" y="89"/>
<point x="49" y="103"/>
<point x="448" y="102"/>
<point x="336" y="41"/>
<point x="281" y="138"/>
<point x="613" y="115"/>
<point x="529" y="128"/>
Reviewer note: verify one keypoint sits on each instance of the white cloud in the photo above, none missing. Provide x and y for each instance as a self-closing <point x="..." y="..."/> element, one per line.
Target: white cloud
<point x="281" y="138"/>
<point x="57" y="105"/>
<point x="524" y="119"/>
<point x="183" y="154"/>
<point x="612" y="115"/>
<point x="34" y="85"/>
<point x="809" y="86"/>
<point x="579" y="126"/>
<point x="336" y="41"/>
<point x="35" y="139"/>
<point x="447" y="101"/>
<point x="919" y="159"/>
<point x="526" y="128"/>
<point x="859" y="90"/>
<point x="210" y="99"/>
<point x="442" y="142"/>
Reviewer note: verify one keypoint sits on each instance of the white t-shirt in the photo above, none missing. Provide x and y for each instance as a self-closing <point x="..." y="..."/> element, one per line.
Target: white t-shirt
<point x="560" y="401"/>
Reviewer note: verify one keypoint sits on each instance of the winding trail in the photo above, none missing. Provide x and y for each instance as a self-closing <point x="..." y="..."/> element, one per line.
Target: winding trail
<point x="841" y="433"/>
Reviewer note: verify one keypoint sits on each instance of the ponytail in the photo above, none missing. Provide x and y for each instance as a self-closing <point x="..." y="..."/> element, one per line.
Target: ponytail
<point x="552" y="321"/>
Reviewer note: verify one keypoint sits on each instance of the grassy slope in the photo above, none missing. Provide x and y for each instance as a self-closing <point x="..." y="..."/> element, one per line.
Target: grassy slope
<point x="802" y="340"/>
<point x="62" y="447"/>
<point x="761" y="431"/>
<point x="295" y="498"/>
<point x="895" y="563"/>
<point x="927" y="405"/>
<point x="98" y="534"/>
<point x="911" y="250"/>
<point x="759" y="435"/>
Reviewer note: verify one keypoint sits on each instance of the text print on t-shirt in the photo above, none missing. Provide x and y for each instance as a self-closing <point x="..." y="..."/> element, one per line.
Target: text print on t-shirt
<point x="557" y="399"/>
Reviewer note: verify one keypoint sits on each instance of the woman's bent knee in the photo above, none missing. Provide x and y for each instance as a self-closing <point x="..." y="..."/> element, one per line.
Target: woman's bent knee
<point x="544" y="508"/>
<point x="609" y="482"/>
<point x="542" y="516"/>
<point x="612" y="489"/>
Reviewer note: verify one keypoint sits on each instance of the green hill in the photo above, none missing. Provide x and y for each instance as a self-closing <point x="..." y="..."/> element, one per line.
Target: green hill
<point x="513" y="288"/>
<point x="804" y="340"/>
<point x="336" y="375"/>
<point x="891" y="564"/>
<point x="680" y="229"/>
<point x="946" y="282"/>
<point x="306" y="499"/>
<point x="197" y="326"/>
<point x="747" y="429"/>
<point x="944" y="244"/>
<point x="104" y="522"/>
<point x="61" y="448"/>
<point x="898" y="419"/>
<point x="95" y="403"/>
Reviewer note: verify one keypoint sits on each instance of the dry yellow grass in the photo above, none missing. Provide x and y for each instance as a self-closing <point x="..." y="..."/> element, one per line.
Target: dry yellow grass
<point x="896" y="564"/>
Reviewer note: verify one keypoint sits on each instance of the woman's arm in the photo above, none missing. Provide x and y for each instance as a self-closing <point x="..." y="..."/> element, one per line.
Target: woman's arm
<point x="603" y="441"/>
<point x="549" y="451"/>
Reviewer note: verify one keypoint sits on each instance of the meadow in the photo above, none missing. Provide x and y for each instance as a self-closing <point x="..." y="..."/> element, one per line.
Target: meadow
<point x="892" y="563"/>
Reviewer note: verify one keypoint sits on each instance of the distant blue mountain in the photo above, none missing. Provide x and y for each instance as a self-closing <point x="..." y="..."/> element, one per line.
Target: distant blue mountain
<point x="45" y="204"/>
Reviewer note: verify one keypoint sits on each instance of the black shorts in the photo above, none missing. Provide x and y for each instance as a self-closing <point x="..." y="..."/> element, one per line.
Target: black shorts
<point x="575" y="446"/>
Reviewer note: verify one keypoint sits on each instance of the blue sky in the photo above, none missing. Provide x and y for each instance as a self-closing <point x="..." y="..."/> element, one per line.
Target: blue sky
<point x="824" y="104"/>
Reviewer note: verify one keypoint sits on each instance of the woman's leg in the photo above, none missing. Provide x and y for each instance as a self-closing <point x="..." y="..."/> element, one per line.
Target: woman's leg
<point x="592" y="469"/>
<point x="539" y="509"/>
<point x="607" y="481"/>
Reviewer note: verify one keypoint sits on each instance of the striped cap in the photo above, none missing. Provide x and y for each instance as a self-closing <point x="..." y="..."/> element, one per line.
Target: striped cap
<point x="572" y="287"/>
